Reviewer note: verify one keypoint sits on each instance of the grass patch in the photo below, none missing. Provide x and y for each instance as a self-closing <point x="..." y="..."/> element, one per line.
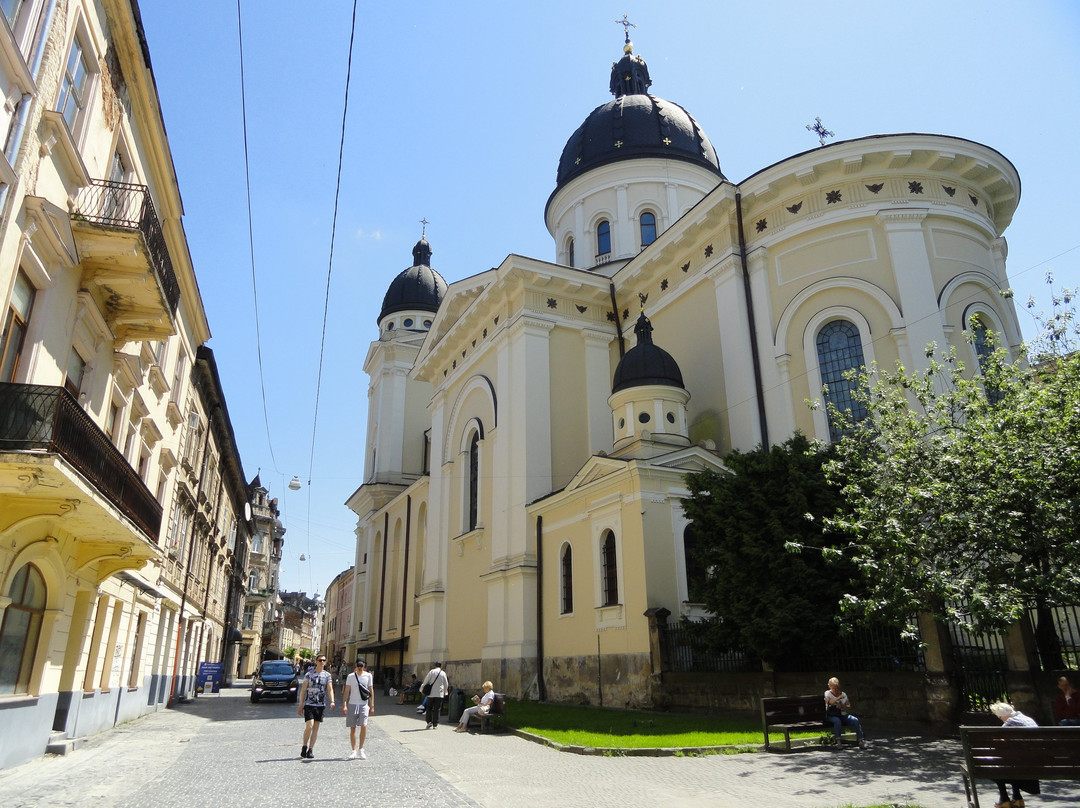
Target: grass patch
<point x="634" y="729"/>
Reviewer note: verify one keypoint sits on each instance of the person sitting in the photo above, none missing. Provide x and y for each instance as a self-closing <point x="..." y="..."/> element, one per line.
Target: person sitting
<point x="483" y="706"/>
<point x="1067" y="705"/>
<point x="1011" y="717"/>
<point x="409" y="690"/>
<point x="838" y="712"/>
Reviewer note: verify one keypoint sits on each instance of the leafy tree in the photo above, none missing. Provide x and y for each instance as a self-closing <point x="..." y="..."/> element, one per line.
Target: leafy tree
<point x="962" y="487"/>
<point x="768" y="602"/>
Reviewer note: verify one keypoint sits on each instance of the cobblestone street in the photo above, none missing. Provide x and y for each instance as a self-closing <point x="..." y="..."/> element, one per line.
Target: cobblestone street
<point x="223" y="752"/>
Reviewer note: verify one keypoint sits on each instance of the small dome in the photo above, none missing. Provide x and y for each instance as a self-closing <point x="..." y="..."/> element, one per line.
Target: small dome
<point x="645" y="363"/>
<point x="418" y="288"/>
<point x="634" y="125"/>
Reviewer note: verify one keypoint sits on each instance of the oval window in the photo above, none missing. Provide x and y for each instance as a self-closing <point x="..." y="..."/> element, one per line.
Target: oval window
<point x="671" y="417"/>
<point x="622" y="423"/>
<point x="427" y="323"/>
<point x="389" y="326"/>
<point x="408" y="322"/>
<point x="643" y="417"/>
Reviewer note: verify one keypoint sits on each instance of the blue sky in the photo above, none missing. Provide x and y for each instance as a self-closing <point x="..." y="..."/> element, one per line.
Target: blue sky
<point x="458" y="114"/>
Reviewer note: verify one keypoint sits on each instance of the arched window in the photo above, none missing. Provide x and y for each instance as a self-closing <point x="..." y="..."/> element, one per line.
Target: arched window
<point x="696" y="576"/>
<point x="648" y="228"/>
<point x="20" y="629"/>
<point x="610" y="570"/>
<point x="603" y="238"/>
<point x="570" y="251"/>
<point x="839" y="350"/>
<point x="474" y="478"/>
<point x="566" y="580"/>
<point x="985" y="344"/>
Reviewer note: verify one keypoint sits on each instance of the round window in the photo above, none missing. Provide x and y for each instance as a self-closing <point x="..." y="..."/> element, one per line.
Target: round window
<point x="622" y="423"/>
<point x="408" y="323"/>
<point x="643" y="417"/>
<point x="671" y="417"/>
<point x="389" y="326"/>
<point x="427" y="323"/>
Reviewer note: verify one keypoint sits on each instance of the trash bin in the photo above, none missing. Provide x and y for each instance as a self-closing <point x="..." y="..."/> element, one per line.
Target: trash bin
<point x="457" y="705"/>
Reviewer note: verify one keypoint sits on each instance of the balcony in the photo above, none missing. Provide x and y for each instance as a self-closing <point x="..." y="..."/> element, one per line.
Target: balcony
<point x="44" y="421"/>
<point x="125" y="260"/>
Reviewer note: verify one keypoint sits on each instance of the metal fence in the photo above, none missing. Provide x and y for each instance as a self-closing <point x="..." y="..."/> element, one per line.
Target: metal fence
<point x="980" y="665"/>
<point x="682" y="650"/>
<point x="873" y="648"/>
<point x="1057" y="636"/>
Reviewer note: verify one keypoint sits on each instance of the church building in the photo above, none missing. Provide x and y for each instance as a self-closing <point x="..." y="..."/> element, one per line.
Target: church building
<point x="529" y="427"/>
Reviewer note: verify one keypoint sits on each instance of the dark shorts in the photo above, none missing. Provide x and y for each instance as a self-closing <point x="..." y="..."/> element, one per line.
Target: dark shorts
<point x="313" y="713"/>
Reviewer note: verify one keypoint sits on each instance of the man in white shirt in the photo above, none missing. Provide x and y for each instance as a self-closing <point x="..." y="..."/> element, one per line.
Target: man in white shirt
<point x="359" y="704"/>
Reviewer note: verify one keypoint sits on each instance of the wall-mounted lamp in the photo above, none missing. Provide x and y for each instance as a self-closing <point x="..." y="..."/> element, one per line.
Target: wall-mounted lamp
<point x="294" y="484"/>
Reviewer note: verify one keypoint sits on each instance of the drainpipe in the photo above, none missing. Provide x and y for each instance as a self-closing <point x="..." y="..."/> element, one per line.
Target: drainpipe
<point x="16" y="136"/>
<point x="540" y="685"/>
<point x="758" y="386"/>
<point x="382" y="584"/>
<point x="618" y="320"/>
<point x="405" y="584"/>
<point x="181" y="630"/>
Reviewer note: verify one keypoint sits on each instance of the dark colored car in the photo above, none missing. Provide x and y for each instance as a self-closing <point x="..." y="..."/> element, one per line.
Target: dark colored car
<point x="275" y="679"/>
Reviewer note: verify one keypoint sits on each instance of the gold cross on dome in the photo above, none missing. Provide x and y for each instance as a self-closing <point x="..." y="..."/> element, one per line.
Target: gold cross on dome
<point x="618" y="144"/>
<point x="424" y="223"/>
<point x="626" y="24"/>
<point x="667" y="141"/>
<point x="577" y="161"/>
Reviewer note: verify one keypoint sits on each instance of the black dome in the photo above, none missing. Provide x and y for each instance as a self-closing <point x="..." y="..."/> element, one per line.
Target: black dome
<point x="417" y="288"/>
<point x="646" y="364"/>
<point x="635" y="125"/>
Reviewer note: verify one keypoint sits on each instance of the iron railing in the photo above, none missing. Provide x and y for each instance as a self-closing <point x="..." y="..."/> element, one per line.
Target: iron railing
<point x="129" y="206"/>
<point x="981" y="666"/>
<point x="35" y="417"/>
<point x="1057" y="636"/>
<point x="864" y="649"/>
<point x="682" y="651"/>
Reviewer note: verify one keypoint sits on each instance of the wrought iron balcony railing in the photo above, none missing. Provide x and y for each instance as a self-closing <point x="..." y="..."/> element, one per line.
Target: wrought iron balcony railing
<point x="129" y="206"/>
<point x="35" y="417"/>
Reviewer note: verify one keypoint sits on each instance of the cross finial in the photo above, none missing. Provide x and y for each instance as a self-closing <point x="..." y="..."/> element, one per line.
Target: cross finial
<point x="818" y="128"/>
<point x="642" y="298"/>
<point x="627" y="25"/>
<point x="423" y="225"/>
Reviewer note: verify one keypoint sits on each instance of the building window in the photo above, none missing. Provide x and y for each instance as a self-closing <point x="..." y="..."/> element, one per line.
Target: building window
<point x="249" y="617"/>
<point x="566" y="579"/>
<point x="610" y="569"/>
<point x="570" y="251"/>
<point x="474" y="479"/>
<point x="74" y="85"/>
<point x="11" y="340"/>
<point x="839" y="351"/>
<point x="20" y="630"/>
<point x="74" y="378"/>
<point x="696" y="574"/>
<point x="985" y="344"/>
<point x="648" y="228"/>
<point x="603" y="238"/>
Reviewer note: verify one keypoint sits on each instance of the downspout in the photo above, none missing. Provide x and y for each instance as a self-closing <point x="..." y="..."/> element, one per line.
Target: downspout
<point x="618" y="320"/>
<point x="26" y="101"/>
<point x="382" y="583"/>
<point x="540" y="685"/>
<point x="758" y="386"/>
<point x="405" y="584"/>
<point x="181" y="630"/>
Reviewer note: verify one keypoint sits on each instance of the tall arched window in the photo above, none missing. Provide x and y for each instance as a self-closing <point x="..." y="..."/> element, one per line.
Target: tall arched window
<point x="985" y="344"/>
<point x="570" y="251"/>
<point x="603" y="238"/>
<point x="839" y="350"/>
<point x="20" y="630"/>
<point x="696" y="575"/>
<point x="474" y="478"/>
<point x="648" y="228"/>
<point x="610" y="570"/>
<point x="566" y="580"/>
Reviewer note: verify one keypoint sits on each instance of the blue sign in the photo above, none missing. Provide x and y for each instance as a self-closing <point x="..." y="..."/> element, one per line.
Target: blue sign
<point x="209" y="678"/>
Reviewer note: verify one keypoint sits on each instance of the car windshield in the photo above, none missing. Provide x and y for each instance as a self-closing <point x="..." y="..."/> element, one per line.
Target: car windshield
<point x="276" y="668"/>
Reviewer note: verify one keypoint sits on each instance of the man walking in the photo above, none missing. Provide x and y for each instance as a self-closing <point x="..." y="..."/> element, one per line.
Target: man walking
<point x="313" y="703"/>
<point x="439" y="687"/>
<point x="359" y="703"/>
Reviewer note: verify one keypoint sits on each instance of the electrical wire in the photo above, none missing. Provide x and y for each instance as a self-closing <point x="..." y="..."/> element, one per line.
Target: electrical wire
<point x="251" y="238"/>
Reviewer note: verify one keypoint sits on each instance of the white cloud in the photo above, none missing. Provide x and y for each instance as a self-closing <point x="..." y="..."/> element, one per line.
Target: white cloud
<point x="374" y="235"/>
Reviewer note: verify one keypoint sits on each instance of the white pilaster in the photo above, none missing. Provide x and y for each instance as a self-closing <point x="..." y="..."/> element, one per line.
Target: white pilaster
<point x="597" y="389"/>
<point x="624" y="245"/>
<point x="741" y="398"/>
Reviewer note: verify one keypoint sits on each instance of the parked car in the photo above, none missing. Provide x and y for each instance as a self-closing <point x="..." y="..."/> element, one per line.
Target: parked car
<point x="275" y="679"/>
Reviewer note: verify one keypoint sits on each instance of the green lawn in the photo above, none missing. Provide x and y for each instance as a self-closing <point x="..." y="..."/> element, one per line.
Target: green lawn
<point x="630" y="729"/>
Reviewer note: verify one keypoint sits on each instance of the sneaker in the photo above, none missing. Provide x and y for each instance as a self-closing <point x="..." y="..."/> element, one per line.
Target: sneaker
<point x="303" y="751"/>
<point x="862" y="743"/>
<point x="363" y="755"/>
<point x="419" y="710"/>
<point x="352" y="755"/>
<point x="427" y="726"/>
<point x="310" y="753"/>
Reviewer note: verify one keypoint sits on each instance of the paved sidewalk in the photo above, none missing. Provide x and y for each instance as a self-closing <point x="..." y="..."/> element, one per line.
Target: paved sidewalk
<point x="222" y="752"/>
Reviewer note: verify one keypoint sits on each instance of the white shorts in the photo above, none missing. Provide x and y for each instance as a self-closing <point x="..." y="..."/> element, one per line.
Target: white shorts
<point x="357" y="717"/>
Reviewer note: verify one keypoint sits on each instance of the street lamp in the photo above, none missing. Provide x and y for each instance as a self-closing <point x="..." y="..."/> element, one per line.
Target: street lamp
<point x="294" y="484"/>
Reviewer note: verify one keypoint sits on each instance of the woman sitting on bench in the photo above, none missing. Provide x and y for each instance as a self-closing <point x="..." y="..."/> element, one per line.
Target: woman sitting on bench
<point x="1011" y="717"/>
<point x="483" y="706"/>
<point x="411" y="690"/>
<point x="837" y="712"/>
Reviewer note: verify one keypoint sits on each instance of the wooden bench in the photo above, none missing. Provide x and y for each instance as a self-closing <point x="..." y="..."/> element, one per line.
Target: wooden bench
<point x="496" y="716"/>
<point x="1018" y="753"/>
<point x="787" y="713"/>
